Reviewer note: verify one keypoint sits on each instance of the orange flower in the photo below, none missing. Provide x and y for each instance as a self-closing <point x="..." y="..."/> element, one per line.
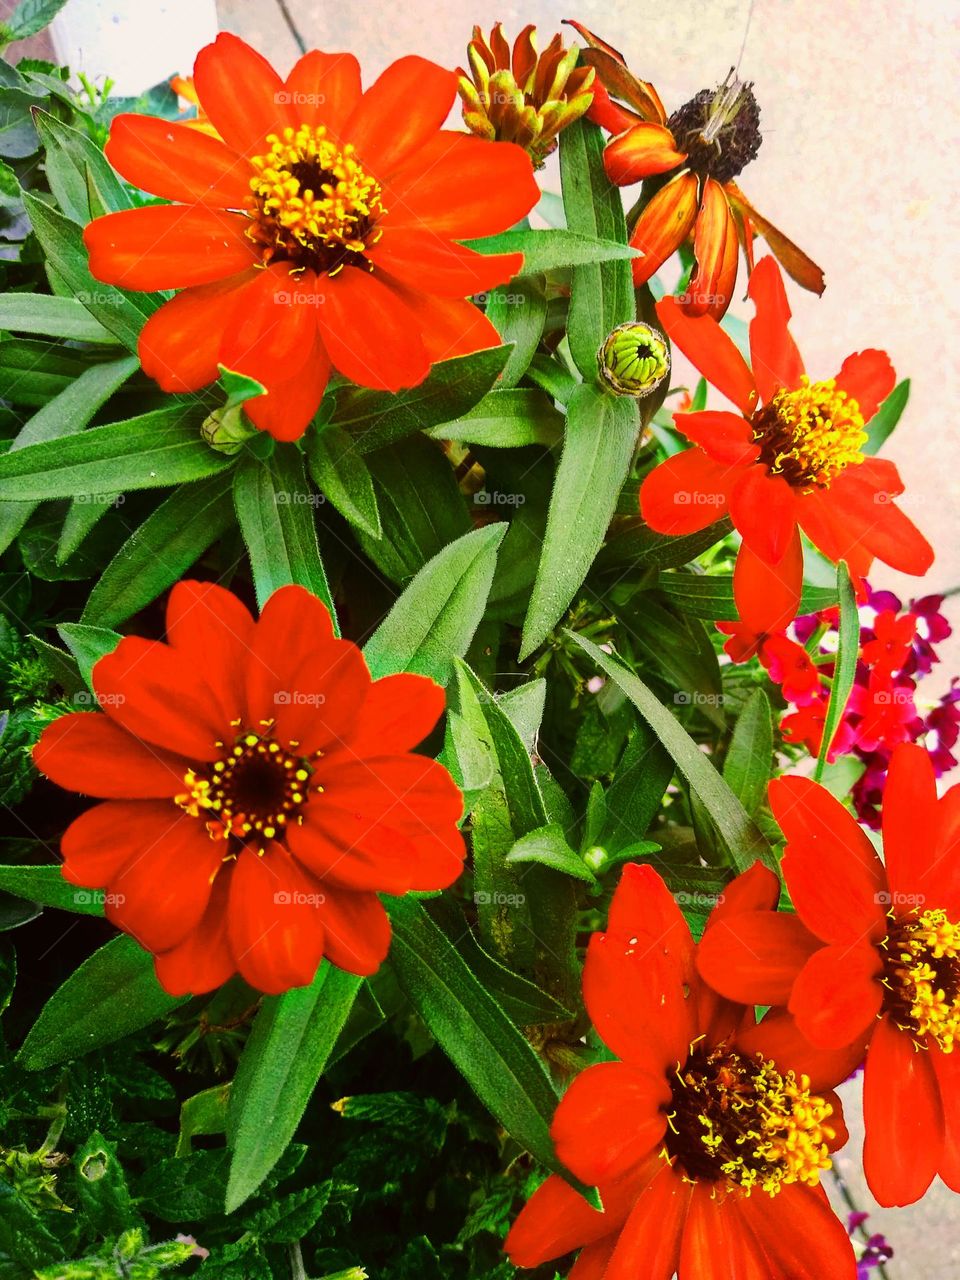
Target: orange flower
<point x="694" y="157"/>
<point x="259" y="791"/>
<point x="320" y="228"/>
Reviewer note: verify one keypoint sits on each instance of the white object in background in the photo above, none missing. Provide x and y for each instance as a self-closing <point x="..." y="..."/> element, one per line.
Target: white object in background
<point x="136" y="43"/>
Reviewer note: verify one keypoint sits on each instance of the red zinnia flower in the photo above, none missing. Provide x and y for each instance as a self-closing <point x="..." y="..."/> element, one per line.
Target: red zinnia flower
<point x="791" y="460"/>
<point x="692" y="157"/>
<point x="318" y="229"/>
<point x="260" y="792"/>
<point x="705" y="1140"/>
<point x="872" y="957"/>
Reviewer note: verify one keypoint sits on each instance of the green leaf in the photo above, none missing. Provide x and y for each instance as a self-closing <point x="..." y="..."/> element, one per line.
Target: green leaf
<point x="506" y="419"/>
<point x="554" y="249"/>
<point x="282" y="1061"/>
<point x="67" y="414"/>
<point x="238" y="388"/>
<point x="882" y="424"/>
<point x="378" y="418"/>
<point x="633" y="798"/>
<point x="18" y="136"/>
<point x="184" y="1188"/>
<point x="710" y="596"/>
<point x="88" y="645"/>
<point x="32" y="371"/>
<point x="845" y="670"/>
<point x="434" y="620"/>
<point x="342" y="476"/>
<point x="635" y="543"/>
<point x="749" y="761"/>
<point x="75" y="166"/>
<point x="124" y="314"/>
<point x="202" y="1115"/>
<point x="497" y="1061"/>
<point x="518" y="311"/>
<point x="161" y="550"/>
<point x="47" y="886"/>
<point x="421" y="507"/>
<point x="56" y="317"/>
<point x="744" y="841"/>
<point x="112" y="994"/>
<point x="102" y="1187"/>
<point x="29" y="18"/>
<point x="600" y="437"/>
<point x="601" y="294"/>
<point x="548" y="845"/>
<point x="275" y="509"/>
<point x="157" y="449"/>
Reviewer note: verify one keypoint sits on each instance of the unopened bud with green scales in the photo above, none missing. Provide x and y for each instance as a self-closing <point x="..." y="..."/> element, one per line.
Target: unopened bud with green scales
<point x="634" y="359"/>
<point x="228" y="430"/>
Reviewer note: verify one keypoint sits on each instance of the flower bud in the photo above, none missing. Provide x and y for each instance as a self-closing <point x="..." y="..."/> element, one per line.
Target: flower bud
<point x="227" y="430"/>
<point x="634" y="359"/>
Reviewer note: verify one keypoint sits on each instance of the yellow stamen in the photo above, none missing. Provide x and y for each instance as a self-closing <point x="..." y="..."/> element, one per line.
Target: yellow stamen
<point x="810" y="435"/>
<point x="923" y="978"/>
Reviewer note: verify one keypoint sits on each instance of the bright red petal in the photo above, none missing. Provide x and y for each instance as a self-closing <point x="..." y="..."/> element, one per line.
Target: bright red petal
<point x="369" y="334"/>
<point x="557" y="1219"/>
<point x="774" y="356"/>
<point x="869" y="378"/>
<point x="400" y="112"/>
<point x="725" y="437"/>
<point x="241" y="94"/>
<point x="179" y="346"/>
<point x="591" y="1263"/>
<point x="768" y="596"/>
<point x="835" y="878"/>
<point x="710" y="351"/>
<point x="357" y="930"/>
<point x="754" y="957"/>
<point x="946" y="1067"/>
<point x="649" y="1243"/>
<point x="911" y="819"/>
<point x="800" y="1234"/>
<point x="326" y="693"/>
<point x="213" y="630"/>
<point x="177" y="162"/>
<point x="293" y="625"/>
<point x="324" y="88"/>
<point x="98" y="845"/>
<point x="610" y="1118"/>
<point x="95" y="756"/>
<point x="639" y="152"/>
<point x="903" y="1118"/>
<point x="167" y="246"/>
<point x="272" y="325"/>
<point x="764" y="511"/>
<point x="203" y="960"/>
<point x="687" y="492"/>
<point x="293" y="399"/>
<point x="422" y="260"/>
<point x="837" y="995"/>
<point x="354" y="853"/>
<point x="779" y="1038"/>
<point x="449" y="327"/>
<point x="275" y="926"/>
<point x="716" y="1245"/>
<point x="398" y="713"/>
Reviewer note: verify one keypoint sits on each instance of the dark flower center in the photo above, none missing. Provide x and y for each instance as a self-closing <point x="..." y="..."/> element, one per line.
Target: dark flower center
<point x="252" y="792"/>
<point x="809" y="435"/>
<point x="921" y="974"/>
<point x="719" y="129"/>
<point x="740" y="1119"/>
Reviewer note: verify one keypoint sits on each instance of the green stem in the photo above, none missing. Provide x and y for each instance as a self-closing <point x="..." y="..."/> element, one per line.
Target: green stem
<point x="297" y="1269"/>
<point x="292" y="26"/>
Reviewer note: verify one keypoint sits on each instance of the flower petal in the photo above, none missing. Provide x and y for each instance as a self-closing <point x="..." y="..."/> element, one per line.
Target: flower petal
<point x="610" y="1118"/>
<point x="774" y="356"/>
<point x="357" y="930"/>
<point x="95" y="756"/>
<point x="324" y="88"/>
<point x="167" y="246"/>
<point x="591" y="1263"/>
<point x="401" y="790"/>
<point x="353" y="852"/>
<point x="687" y="492"/>
<point x="557" y="1219"/>
<point x="293" y="625"/>
<point x="768" y="596"/>
<point x="754" y="957"/>
<point x="869" y="378"/>
<point x="203" y="960"/>
<point x="947" y="1069"/>
<point x="213" y="630"/>
<point x="725" y="437"/>
<point x="325" y="695"/>
<point x="421" y="259"/>
<point x="835" y="878"/>
<point x="177" y="162"/>
<point x="459" y="186"/>
<point x="98" y="845"/>
<point x="837" y="995"/>
<point x="449" y="327"/>
<point x="240" y="93"/>
<point x="764" y="511"/>
<point x="801" y="1236"/>
<point x="717" y="253"/>
<point x="179" y="346"/>
<point x="649" y="1243"/>
<point x="400" y="112"/>
<point x="399" y="711"/>
<point x="639" y="152"/>
<point x="292" y="400"/>
<point x="903" y="1118"/>
<point x="664" y="224"/>
<point x="876" y="523"/>
<point x="369" y="334"/>
<point x="779" y="1038"/>
<point x="794" y="261"/>
<point x="711" y="351"/>
<point x="275" y="926"/>
<point x="716" y="1244"/>
<point x="911" y="819"/>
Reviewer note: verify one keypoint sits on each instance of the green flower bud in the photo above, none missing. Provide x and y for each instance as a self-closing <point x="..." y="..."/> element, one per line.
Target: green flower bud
<point x="227" y="430"/>
<point x="596" y="858"/>
<point x="634" y="359"/>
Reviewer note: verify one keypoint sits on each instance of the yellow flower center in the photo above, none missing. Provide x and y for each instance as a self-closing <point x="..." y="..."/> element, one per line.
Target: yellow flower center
<point x="312" y="203"/>
<point x="740" y="1119"/>
<point x="922" y="977"/>
<point x="810" y="435"/>
<point x="252" y="792"/>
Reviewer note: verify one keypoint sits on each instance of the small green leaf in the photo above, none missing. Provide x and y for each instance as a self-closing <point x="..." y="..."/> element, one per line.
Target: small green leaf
<point x="506" y="419"/>
<point x="88" y="645"/>
<point x="518" y="311"/>
<point x="598" y="446"/>
<point x="633" y="798"/>
<point x="29" y="18"/>
<point x="238" y="388"/>
<point x="112" y="994"/>
<point x="275" y="509"/>
<point x="435" y="618"/>
<point x="342" y="476"/>
<point x="161" y="550"/>
<point x="749" y="761"/>
<point x="282" y="1061"/>
<point x="742" y="837"/>
<point x="710" y="596"/>
<point x="548" y="845"/>
<point x="845" y="670"/>
<point x="554" y="249"/>
<point x="882" y="424"/>
<point x="56" y="317"/>
<point x="202" y="1115"/>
